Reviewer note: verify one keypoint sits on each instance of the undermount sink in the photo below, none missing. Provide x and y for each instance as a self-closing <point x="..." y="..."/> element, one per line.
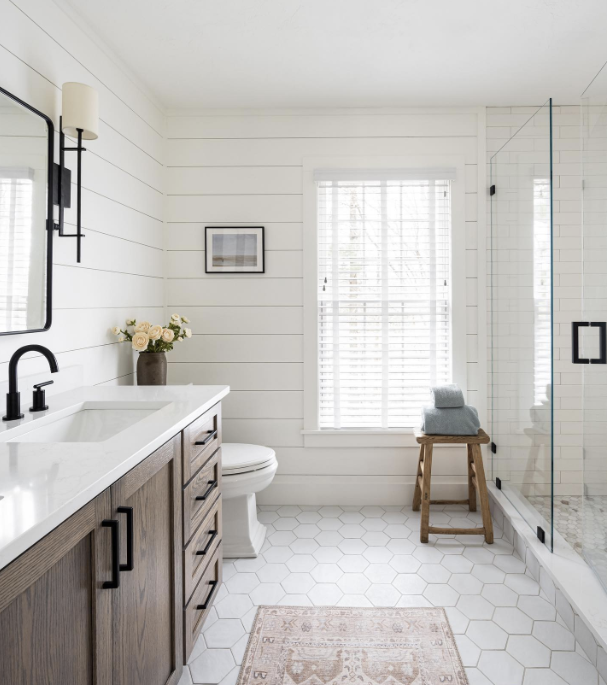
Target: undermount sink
<point x="91" y="422"/>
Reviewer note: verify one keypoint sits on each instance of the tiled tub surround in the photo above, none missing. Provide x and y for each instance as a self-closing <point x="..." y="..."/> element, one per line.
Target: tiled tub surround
<point x="506" y="625"/>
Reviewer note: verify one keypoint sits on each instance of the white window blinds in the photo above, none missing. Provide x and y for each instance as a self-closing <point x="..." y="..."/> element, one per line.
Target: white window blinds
<point x="384" y="299"/>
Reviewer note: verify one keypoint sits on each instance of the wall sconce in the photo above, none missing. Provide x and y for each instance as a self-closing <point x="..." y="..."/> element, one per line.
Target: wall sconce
<point x="80" y="120"/>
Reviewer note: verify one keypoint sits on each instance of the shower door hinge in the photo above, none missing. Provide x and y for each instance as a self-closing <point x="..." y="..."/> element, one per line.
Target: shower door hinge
<point x="498" y="483"/>
<point x="493" y="447"/>
<point x="541" y="534"/>
<point x="492" y="190"/>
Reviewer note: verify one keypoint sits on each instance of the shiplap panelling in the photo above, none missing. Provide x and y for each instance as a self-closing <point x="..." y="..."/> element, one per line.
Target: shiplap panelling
<point x="121" y="273"/>
<point x="228" y="169"/>
<point x="517" y="461"/>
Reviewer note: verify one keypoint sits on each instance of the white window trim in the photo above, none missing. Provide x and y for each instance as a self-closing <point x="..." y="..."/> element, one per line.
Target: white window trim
<point x="311" y="432"/>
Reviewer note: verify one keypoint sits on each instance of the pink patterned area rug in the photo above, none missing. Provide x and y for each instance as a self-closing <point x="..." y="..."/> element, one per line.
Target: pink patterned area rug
<point x="351" y="646"/>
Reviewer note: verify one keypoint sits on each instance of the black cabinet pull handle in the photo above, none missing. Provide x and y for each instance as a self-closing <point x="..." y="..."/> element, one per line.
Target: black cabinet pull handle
<point x="208" y="439"/>
<point x="212" y="485"/>
<point x="130" y="564"/>
<point x="115" y="529"/>
<point x="202" y="552"/>
<point x="214" y="585"/>
<point x="575" y="342"/>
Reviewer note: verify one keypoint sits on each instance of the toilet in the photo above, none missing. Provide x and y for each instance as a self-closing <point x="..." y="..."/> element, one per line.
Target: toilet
<point x="246" y="469"/>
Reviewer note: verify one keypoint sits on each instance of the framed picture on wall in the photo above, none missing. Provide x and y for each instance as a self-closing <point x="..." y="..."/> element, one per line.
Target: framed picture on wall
<point x="234" y="250"/>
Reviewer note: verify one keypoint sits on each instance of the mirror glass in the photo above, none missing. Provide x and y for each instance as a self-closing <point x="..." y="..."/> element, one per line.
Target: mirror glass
<point x="25" y="135"/>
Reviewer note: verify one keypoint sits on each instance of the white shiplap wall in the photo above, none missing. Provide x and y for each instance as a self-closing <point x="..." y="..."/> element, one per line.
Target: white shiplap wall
<point x="239" y="168"/>
<point x="529" y="465"/>
<point x="121" y="273"/>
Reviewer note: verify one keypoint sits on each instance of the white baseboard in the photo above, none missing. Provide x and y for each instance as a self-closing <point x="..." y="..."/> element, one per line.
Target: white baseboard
<point x="355" y="490"/>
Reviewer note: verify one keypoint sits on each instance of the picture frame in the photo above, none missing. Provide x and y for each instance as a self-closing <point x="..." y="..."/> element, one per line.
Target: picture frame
<point x="234" y="250"/>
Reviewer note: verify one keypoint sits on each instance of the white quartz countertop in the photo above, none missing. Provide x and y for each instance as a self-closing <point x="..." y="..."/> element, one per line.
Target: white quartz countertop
<point x="43" y="483"/>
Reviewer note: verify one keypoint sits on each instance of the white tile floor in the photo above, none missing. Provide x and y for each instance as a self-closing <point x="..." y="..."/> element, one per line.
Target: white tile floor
<point x="507" y="633"/>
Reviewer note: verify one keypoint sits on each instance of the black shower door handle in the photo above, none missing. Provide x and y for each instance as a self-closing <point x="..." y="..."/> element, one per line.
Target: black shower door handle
<point x="575" y="342"/>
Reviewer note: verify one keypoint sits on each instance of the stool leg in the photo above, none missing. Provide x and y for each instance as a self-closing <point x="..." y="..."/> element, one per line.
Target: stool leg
<point x="471" y="488"/>
<point x="417" y="492"/>
<point x="482" y="493"/>
<point x="425" y="519"/>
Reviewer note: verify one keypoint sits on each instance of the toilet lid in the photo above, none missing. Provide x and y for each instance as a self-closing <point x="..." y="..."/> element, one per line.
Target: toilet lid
<point x="237" y="457"/>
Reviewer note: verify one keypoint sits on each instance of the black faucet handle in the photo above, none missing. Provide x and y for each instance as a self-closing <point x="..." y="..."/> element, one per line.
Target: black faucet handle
<point x="39" y="398"/>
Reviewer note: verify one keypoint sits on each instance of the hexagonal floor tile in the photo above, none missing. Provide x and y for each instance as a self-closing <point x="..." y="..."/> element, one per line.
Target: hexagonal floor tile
<point x="242" y="583"/>
<point x="354" y="601"/>
<point x="475" y="607"/>
<point x="354" y="583"/>
<point x="233" y="606"/>
<point x="380" y="573"/>
<point x="352" y="546"/>
<point x="499" y="595"/>
<point x="513" y="620"/>
<point x="267" y="516"/>
<point x="325" y="594"/>
<point x="465" y="584"/>
<point x="351" y="517"/>
<point x="304" y="546"/>
<point x="281" y="538"/>
<point x="372" y="512"/>
<point x="353" y="563"/>
<point x="409" y="584"/>
<point x="378" y="555"/>
<point x="528" y="651"/>
<point x="382" y="595"/>
<point x="428" y="555"/>
<point x="289" y="511"/>
<point x="277" y="555"/>
<point x="330" y="524"/>
<point x="478" y="555"/>
<point x="537" y="608"/>
<point x="434" y="573"/>
<point x="296" y="601"/>
<point x="267" y="593"/>
<point x="553" y="635"/>
<point x="500" y="668"/>
<point x="246" y="566"/>
<point x="457" y="563"/>
<point x="376" y="524"/>
<point x="272" y="573"/>
<point x="309" y="517"/>
<point x="224" y="633"/>
<point x="330" y="512"/>
<point x="327" y="555"/>
<point x="487" y="635"/>
<point x="394" y="517"/>
<point x="326" y="573"/>
<point x="298" y="583"/>
<point x="487" y="573"/>
<point x="307" y="530"/>
<point x="521" y="583"/>
<point x="352" y="530"/>
<point x="397" y="530"/>
<point x="401" y="546"/>
<point x="468" y="651"/>
<point x="405" y="563"/>
<point x="212" y="666"/>
<point x="329" y="538"/>
<point x="286" y="523"/>
<point x="441" y="595"/>
<point x="375" y="539"/>
<point x="301" y="563"/>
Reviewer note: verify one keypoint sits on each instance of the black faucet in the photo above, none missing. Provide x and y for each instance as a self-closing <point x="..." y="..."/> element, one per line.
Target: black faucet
<point x="13" y="399"/>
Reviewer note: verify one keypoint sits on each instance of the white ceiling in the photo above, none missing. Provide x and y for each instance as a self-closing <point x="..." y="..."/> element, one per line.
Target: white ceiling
<point x="354" y="53"/>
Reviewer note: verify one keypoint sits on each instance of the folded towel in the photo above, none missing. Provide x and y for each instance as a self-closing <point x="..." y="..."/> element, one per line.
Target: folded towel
<point x="447" y="396"/>
<point x="455" y="421"/>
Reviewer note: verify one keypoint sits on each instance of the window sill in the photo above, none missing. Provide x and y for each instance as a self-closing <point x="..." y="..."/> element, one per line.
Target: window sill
<point x="362" y="438"/>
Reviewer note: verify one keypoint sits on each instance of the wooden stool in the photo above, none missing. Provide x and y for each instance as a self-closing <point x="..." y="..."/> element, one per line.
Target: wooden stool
<point x="476" y="482"/>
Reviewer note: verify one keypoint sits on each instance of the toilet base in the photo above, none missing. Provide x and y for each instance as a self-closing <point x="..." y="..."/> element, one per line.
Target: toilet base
<point x="243" y="535"/>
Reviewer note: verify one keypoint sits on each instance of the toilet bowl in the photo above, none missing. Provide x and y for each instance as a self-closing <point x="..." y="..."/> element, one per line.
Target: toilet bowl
<point x="245" y="470"/>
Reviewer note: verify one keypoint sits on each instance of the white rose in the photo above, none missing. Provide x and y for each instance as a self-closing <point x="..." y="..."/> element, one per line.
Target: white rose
<point x="188" y="332"/>
<point x="142" y="327"/>
<point x="140" y="341"/>
<point x="185" y="319"/>
<point x="167" y="335"/>
<point x="155" y="332"/>
<point x="121" y="339"/>
<point x="175" y="317"/>
<point x="116" y="330"/>
<point x="130" y="322"/>
<point x="179" y="339"/>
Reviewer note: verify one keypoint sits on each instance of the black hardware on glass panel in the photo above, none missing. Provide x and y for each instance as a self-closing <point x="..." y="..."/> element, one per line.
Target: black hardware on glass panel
<point x="50" y="151"/>
<point x="63" y="191"/>
<point x="214" y="585"/>
<point x="212" y="486"/>
<point x="13" y="398"/>
<point x="114" y="526"/>
<point x="130" y="565"/>
<point x="498" y="483"/>
<point x="208" y="439"/>
<point x="493" y="447"/>
<point x="575" y="342"/>
<point x="202" y="552"/>
<point x="492" y="190"/>
<point x="39" y="397"/>
<point x="541" y="534"/>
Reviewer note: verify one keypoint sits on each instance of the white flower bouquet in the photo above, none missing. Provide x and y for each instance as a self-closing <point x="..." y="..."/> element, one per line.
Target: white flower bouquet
<point x="147" y="338"/>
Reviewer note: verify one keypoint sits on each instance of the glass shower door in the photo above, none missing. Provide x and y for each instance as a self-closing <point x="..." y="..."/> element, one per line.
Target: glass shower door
<point x="588" y="337"/>
<point x="521" y="321"/>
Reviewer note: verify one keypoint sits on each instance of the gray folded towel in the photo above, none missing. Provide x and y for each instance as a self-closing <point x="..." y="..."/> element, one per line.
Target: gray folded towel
<point x="447" y="396"/>
<point x="454" y="421"/>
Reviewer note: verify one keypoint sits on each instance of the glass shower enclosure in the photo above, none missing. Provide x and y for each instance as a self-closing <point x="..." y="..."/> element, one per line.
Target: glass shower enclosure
<point x="521" y="280"/>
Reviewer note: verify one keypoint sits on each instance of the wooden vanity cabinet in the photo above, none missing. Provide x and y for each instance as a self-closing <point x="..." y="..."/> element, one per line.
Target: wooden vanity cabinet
<point x="55" y="615"/>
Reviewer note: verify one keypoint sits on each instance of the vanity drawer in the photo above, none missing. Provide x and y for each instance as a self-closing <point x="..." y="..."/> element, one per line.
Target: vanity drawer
<point x="200" y="439"/>
<point x="197" y="609"/>
<point x="200" y="494"/>
<point x="201" y="548"/>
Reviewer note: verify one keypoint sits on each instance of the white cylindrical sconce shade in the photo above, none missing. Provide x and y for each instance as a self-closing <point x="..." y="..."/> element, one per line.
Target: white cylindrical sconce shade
<point x="80" y="109"/>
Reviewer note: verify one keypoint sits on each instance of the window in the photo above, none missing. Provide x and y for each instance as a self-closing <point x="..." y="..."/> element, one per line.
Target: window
<point x="383" y="295"/>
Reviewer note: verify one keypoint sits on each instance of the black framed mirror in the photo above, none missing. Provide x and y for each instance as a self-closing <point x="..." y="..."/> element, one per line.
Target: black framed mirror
<point x="26" y="217"/>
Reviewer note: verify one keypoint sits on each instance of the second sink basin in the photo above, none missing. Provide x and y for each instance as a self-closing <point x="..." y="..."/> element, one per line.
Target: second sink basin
<point x="91" y="422"/>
